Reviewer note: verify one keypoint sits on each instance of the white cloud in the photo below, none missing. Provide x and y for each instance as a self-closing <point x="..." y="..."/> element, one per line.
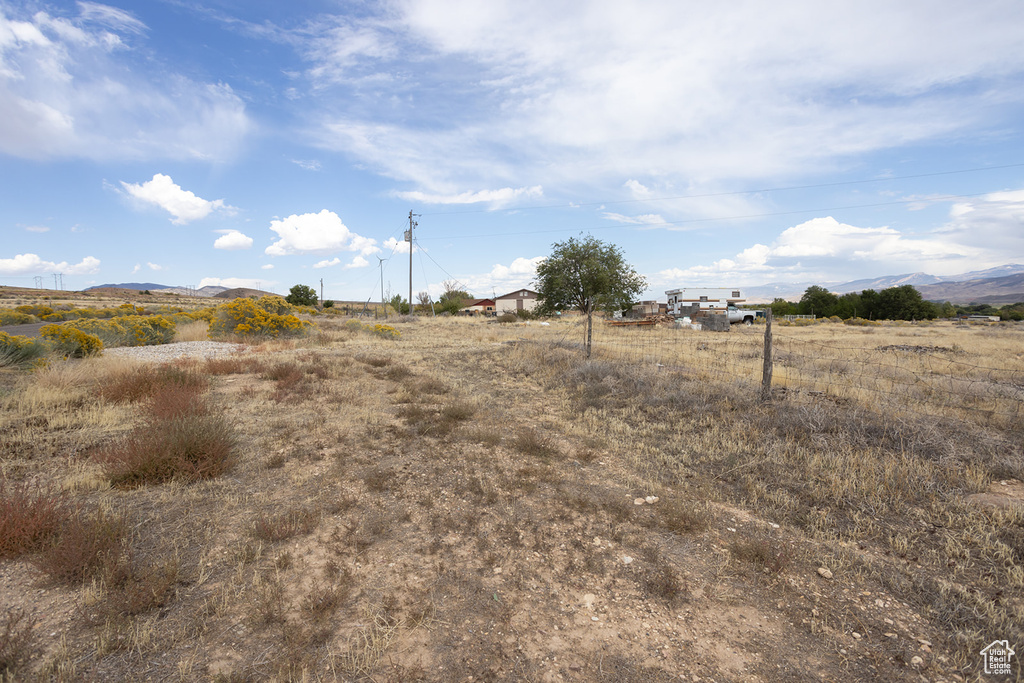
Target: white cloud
<point x="232" y="240"/>
<point x="500" y="197"/>
<point x="658" y="90"/>
<point x="637" y="189"/>
<point x="313" y="233"/>
<point x="307" y="164"/>
<point x="37" y="228"/>
<point x="267" y="266"/>
<point x="137" y="268"/>
<point x="234" y="282"/>
<point x="824" y="249"/>
<point x="503" y="278"/>
<point x="393" y="245"/>
<point x="357" y="262"/>
<point x="184" y="205"/>
<point x="74" y="86"/>
<point x="649" y="219"/>
<point x="30" y="264"/>
<point x="154" y="266"/>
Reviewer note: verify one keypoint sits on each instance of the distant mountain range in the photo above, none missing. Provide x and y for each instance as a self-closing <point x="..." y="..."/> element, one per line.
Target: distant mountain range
<point x="209" y="290"/>
<point x="997" y="286"/>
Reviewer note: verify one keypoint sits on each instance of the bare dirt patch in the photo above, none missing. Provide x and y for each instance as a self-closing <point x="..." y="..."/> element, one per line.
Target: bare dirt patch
<point x="445" y="506"/>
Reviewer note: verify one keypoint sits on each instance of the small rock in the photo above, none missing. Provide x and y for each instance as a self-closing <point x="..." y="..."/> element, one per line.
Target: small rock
<point x="497" y="570"/>
<point x="824" y="572"/>
<point x="595" y="618"/>
<point x="597" y="540"/>
<point x="651" y="500"/>
<point x="891" y="635"/>
<point x="627" y="560"/>
<point x="729" y="528"/>
<point x="916" y="661"/>
<point x="856" y="636"/>
<point x="638" y="501"/>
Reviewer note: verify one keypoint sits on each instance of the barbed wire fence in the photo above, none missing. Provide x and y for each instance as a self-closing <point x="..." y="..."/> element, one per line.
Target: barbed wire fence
<point x="892" y="379"/>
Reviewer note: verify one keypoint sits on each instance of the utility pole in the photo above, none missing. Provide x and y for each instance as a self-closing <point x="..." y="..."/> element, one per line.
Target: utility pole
<point x="408" y="238"/>
<point x="321" y="293"/>
<point x="384" y="305"/>
<point x="39" y="281"/>
<point x="55" y="280"/>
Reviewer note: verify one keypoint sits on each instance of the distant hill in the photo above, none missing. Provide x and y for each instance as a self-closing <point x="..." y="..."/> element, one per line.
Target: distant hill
<point x="242" y="292"/>
<point x="996" y="286"/>
<point x="997" y="291"/>
<point x="209" y="290"/>
<point x="887" y="281"/>
<point x="141" y="286"/>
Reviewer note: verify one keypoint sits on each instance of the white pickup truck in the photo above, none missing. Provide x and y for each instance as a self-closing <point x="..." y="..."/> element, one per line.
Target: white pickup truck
<point x="742" y="315"/>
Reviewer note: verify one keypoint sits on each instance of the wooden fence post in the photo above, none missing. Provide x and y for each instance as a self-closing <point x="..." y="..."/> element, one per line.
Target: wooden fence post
<point x="766" y="373"/>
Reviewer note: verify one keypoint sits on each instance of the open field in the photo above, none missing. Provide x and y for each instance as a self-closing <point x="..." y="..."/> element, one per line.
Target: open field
<point x="474" y="501"/>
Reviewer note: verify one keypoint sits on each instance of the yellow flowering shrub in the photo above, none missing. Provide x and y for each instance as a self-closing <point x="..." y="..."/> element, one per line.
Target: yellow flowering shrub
<point x="249" y="318"/>
<point x="70" y="342"/>
<point x="19" y="350"/>
<point x="16" y="318"/>
<point x="129" y="330"/>
<point x="385" y="331"/>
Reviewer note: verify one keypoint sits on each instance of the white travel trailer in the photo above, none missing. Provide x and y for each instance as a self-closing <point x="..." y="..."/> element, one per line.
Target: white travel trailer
<point x="708" y="298"/>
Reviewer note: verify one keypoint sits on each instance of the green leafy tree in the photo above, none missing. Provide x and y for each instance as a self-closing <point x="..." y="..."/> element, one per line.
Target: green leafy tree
<point x="400" y="305"/>
<point x="586" y="275"/>
<point x="453" y="298"/>
<point x="780" y="307"/>
<point x="904" y="303"/>
<point x="301" y="295"/>
<point x="818" y="301"/>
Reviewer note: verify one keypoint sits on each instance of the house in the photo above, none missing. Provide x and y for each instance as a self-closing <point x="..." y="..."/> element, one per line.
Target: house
<point x="708" y="298"/>
<point x="478" y="307"/>
<point x="519" y="300"/>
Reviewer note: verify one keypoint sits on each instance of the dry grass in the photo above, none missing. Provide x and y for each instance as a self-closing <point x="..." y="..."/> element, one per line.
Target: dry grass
<point x="450" y="505"/>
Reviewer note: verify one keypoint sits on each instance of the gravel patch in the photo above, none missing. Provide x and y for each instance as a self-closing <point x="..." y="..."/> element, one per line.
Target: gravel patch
<point x="164" y="353"/>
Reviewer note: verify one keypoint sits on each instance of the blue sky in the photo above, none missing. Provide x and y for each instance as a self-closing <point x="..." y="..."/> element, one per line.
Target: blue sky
<point x="267" y="144"/>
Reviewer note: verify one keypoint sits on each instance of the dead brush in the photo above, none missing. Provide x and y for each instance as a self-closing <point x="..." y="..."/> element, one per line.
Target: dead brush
<point x="17" y="641"/>
<point x="683" y="517"/>
<point x="144" y="382"/>
<point x="181" y="439"/>
<point x="234" y="365"/>
<point x="535" y="444"/>
<point x="295" y="521"/>
<point x="88" y="544"/>
<point x="29" y="517"/>
<point x="766" y="555"/>
<point x="133" y="589"/>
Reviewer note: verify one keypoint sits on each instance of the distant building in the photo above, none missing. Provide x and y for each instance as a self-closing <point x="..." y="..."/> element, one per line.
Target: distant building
<point x="519" y="300"/>
<point x="479" y="307"/>
<point x="707" y="298"/>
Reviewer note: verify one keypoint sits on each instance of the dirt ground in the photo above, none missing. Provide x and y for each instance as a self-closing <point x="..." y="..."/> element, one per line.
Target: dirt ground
<point x="468" y="522"/>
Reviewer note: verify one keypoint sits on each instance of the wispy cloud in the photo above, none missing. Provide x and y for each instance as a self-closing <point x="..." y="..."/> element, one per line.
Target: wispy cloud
<point x="654" y="92"/>
<point x="72" y="85"/>
<point x="497" y="198"/>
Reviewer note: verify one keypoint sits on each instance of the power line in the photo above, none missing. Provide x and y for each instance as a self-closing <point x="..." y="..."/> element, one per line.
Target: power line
<point x="713" y="219"/>
<point x="740" y="192"/>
